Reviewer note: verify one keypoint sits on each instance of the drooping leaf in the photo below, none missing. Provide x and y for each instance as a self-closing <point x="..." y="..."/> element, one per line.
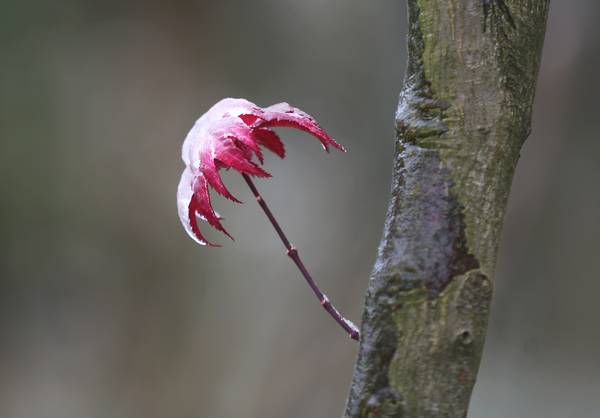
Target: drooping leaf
<point x="230" y="135"/>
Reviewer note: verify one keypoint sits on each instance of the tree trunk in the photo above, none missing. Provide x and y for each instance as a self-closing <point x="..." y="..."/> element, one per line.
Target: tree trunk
<point x="464" y="112"/>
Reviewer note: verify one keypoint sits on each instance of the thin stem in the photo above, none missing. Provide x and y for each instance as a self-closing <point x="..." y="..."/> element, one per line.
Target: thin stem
<point x="292" y="252"/>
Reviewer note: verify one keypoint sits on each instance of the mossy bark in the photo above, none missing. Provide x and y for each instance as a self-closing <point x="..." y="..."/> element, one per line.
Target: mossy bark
<point x="464" y="113"/>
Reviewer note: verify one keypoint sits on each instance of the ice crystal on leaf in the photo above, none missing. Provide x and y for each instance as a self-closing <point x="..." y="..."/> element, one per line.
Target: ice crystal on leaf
<point x="231" y="135"/>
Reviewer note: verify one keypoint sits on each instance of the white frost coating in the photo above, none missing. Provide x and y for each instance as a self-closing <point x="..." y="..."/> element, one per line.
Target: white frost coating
<point x="220" y="115"/>
<point x="184" y="195"/>
<point x="219" y="120"/>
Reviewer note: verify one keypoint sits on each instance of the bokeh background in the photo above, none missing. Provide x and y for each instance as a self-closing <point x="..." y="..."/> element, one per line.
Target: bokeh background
<point x="108" y="309"/>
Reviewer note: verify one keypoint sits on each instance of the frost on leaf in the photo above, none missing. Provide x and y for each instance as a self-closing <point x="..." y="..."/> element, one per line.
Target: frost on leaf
<point x="232" y="134"/>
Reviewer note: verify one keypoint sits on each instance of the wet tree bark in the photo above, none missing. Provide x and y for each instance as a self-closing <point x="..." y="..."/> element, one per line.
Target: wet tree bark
<point x="464" y="113"/>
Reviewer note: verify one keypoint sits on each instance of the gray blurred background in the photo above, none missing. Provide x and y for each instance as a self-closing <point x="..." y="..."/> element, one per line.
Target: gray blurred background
<point x="108" y="309"/>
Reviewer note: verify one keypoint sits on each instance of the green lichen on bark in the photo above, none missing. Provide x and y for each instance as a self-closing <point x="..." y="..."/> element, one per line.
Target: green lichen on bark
<point x="464" y="112"/>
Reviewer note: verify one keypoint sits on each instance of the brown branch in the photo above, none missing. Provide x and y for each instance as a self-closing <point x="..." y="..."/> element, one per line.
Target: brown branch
<point x="292" y="252"/>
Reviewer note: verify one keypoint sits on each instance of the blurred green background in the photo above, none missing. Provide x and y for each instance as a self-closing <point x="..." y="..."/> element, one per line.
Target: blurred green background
<point x="108" y="309"/>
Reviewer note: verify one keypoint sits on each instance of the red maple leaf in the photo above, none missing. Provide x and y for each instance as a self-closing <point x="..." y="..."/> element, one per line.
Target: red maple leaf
<point x="230" y="135"/>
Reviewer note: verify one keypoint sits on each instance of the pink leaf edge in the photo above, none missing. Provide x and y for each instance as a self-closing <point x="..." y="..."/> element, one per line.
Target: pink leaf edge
<point x="229" y="135"/>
